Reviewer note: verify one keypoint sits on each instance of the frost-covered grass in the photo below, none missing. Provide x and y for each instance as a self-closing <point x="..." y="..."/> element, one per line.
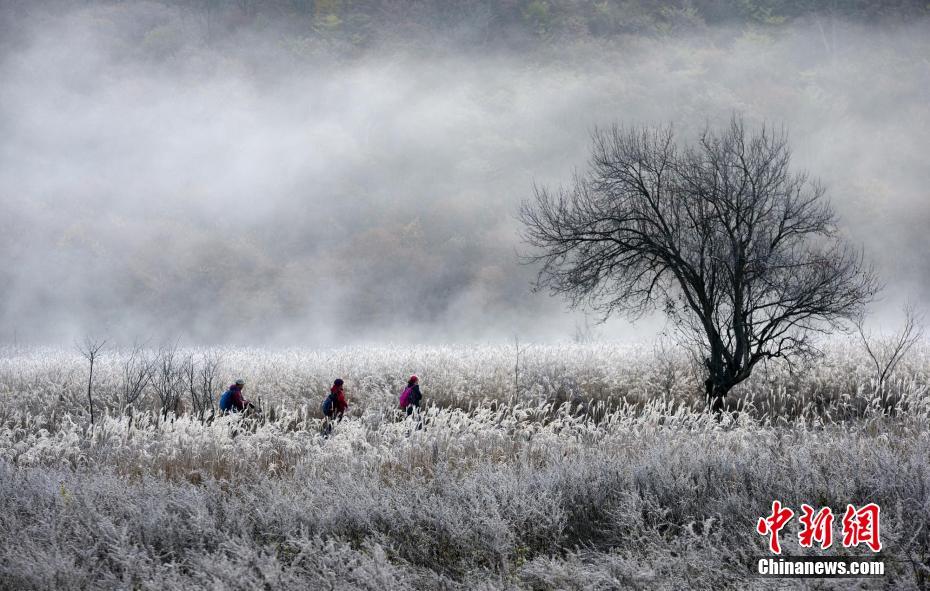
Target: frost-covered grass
<point x="597" y="470"/>
<point x="839" y="385"/>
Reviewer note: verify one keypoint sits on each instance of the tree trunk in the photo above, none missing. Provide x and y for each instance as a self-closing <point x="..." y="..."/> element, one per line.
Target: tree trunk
<point x="715" y="395"/>
<point x="90" y="385"/>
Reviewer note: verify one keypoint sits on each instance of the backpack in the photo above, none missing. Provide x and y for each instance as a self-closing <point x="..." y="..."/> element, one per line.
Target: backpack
<point x="328" y="403"/>
<point x="226" y="401"/>
<point x="405" y="397"/>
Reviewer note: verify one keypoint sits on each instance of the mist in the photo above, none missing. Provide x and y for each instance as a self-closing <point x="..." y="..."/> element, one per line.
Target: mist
<point x="166" y="176"/>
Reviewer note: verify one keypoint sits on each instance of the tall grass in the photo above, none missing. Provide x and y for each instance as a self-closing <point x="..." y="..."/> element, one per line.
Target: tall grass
<point x="838" y="385"/>
<point x="599" y="473"/>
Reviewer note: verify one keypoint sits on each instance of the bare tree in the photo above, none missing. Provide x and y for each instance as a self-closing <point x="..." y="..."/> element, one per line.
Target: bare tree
<point x="210" y="366"/>
<point x="136" y="370"/>
<point x="739" y="251"/>
<point x="886" y="352"/>
<point x="168" y="380"/>
<point x="189" y="373"/>
<point x="91" y="349"/>
<point x="201" y="380"/>
<point x="584" y="332"/>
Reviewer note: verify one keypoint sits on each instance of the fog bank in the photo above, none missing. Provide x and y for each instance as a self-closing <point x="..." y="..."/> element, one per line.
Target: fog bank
<point x="161" y="179"/>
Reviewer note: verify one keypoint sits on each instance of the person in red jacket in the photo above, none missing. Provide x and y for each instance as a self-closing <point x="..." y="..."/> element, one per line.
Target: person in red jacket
<point x="335" y="404"/>
<point x="232" y="399"/>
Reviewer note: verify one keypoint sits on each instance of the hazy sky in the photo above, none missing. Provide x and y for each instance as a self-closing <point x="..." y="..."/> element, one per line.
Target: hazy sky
<point x="155" y="182"/>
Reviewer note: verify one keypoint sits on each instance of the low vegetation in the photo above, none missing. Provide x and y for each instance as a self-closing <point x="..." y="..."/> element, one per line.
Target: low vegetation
<point x="597" y="469"/>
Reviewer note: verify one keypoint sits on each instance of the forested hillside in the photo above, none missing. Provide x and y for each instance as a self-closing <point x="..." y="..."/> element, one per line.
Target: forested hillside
<point x="492" y="22"/>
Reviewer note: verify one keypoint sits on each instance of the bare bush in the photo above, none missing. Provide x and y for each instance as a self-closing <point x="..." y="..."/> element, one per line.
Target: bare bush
<point x="887" y="351"/>
<point x="168" y="379"/>
<point x="201" y="378"/>
<point x="136" y="368"/>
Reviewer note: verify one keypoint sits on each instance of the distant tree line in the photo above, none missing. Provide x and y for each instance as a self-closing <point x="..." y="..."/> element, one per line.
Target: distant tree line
<point x="594" y="17"/>
<point x="488" y="22"/>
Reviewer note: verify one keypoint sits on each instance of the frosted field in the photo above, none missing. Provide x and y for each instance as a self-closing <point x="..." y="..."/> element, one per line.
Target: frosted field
<point x="590" y="467"/>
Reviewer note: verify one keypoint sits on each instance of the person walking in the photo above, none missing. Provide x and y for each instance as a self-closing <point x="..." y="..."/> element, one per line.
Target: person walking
<point x="334" y="405"/>
<point x="232" y="399"/>
<point x="410" y="398"/>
